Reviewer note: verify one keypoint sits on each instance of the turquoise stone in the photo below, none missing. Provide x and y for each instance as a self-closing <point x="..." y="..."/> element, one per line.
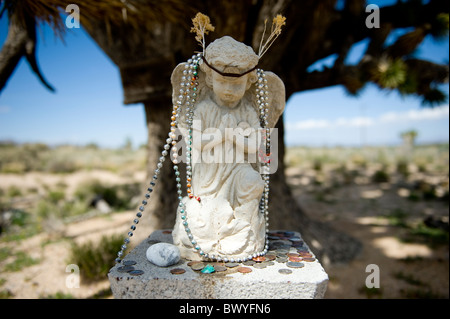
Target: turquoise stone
<point x="208" y="269"/>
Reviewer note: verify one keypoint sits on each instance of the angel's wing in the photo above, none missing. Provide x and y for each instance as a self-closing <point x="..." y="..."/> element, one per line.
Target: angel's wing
<point x="277" y="98"/>
<point x="177" y="78"/>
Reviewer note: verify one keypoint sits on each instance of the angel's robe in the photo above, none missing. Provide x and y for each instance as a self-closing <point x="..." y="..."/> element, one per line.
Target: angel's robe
<point x="227" y="220"/>
<point x="223" y="171"/>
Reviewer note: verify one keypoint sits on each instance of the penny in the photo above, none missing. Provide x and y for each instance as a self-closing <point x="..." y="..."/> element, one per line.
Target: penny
<point x="293" y="255"/>
<point x="197" y="266"/>
<point x="271" y="257"/>
<point x="285" y="271"/>
<point x="231" y="265"/>
<point x="259" y="259"/>
<point x="192" y="262"/>
<point x="295" y="259"/>
<point x="249" y="263"/>
<point x="273" y="233"/>
<point x="309" y="259"/>
<point x="129" y="262"/>
<point x="219" y="268"/>
<point x="244" y="270"/>
<point x="304" y="254"/>
<point x="177" y="271"/>
<point x="293" y="264"/>
<point x="125" y="268"/>
<point x="136" y="272"/>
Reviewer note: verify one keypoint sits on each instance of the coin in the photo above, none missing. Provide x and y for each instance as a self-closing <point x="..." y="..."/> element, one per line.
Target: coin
<point x="268" y="263"/>
<point x="197" y="266"/>
<point x="219" y="268"/>
<point x="231" y="265"/>
<point x="259" y="259"/>
<point x="282" y="259"/>
<point x="177" y="271"/>
<point x="293" y="255"/>
<point x="304" y="254"/>
<point x="249" y="263"/>
<point x="259" y="265"/>
<point x="295" y="259"/>
<point x="293" y="264"/>
<point x="136" y="272"/>
<point x="271" y="257"/>
<point x="244" y="270"/>
<point x="125" y="268"/>
<point x="285" y="271"/>
<point x="309" y="259"/>
<point x="289" y="233"/>
<point x="129" y="262"/>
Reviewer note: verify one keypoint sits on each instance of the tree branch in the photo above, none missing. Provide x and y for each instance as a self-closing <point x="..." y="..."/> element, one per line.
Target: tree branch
<point x="348" y="28"/>
<point x="12" y="51"/>
<point x="21" y="41"/>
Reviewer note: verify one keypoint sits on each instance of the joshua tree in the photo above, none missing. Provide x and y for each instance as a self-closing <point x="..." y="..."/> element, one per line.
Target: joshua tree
<point x="147" y="38"/>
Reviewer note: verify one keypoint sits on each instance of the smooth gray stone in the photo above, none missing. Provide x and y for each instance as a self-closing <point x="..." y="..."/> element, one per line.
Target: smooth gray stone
<point x="163" y="254"/>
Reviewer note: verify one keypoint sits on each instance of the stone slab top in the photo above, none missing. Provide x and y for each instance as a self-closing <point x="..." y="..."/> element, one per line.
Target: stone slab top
<point x="290" y="270"/>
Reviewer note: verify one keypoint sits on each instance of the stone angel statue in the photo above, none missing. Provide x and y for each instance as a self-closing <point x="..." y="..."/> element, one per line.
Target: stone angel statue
<point x="224" y="108"/>
<point x="229" y="108"/>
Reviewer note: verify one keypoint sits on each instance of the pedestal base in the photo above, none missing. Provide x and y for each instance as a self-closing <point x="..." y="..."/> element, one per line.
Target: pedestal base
<point x="153" y="282"/>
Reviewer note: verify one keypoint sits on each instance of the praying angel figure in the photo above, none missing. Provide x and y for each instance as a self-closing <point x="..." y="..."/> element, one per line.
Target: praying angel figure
<point x="225" y="185"/>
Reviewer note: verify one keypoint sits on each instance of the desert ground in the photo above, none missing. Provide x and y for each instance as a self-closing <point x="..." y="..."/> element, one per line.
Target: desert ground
<point x="396" y="205"/>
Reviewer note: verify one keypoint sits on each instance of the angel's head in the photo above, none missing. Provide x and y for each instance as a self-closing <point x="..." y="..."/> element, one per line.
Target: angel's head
<point x="229" y="66"/>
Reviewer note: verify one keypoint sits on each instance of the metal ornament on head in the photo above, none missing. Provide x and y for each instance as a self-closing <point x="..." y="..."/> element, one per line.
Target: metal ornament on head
<point x="220" y="93"/>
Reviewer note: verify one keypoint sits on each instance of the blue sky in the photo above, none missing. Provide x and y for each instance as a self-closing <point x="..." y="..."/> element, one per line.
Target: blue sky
<point x="87" y="106"/>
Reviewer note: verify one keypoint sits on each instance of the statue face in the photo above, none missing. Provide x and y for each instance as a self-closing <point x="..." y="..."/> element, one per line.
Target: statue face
<point x="229" y="90"/>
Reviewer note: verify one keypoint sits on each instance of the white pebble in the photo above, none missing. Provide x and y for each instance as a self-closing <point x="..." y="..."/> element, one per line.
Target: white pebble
<point x="163" y="254"/>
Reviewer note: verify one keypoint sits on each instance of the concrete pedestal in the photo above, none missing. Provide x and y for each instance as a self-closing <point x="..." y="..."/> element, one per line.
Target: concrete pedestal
<point x="155" y="282"/>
